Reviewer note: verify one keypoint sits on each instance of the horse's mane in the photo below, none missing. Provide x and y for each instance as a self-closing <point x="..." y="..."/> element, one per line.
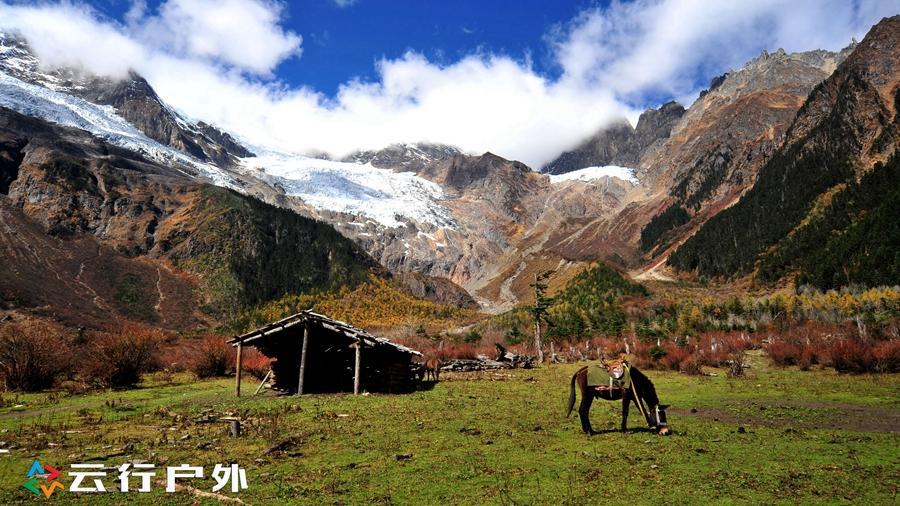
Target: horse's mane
<point x="644" y="387"/>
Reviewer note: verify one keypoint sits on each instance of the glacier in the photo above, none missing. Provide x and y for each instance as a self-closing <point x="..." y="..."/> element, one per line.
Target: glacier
<point x="591" y="173"/>
<point x="381" y="195"/>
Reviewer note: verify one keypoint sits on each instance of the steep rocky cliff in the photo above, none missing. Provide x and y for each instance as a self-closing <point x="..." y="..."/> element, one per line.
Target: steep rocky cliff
<point x="815" y="202"/>
<point x="620" y="143"/>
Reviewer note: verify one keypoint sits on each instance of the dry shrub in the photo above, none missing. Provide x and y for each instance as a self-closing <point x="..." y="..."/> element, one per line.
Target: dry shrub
<point x="641" y="357"/>
<point x="668" y="356"/>
<point x="178" y="356"/>
<point x="255" y="363"/>
<point x="450" y="351"/>
<point x="808" y="358"/>
<point x="802" y="345"/>
<point x="838" y="345"/>
<point x="784" y="353"/>
<point x="850" y="355"/>
<point x="117" y="359"/>
<point x="887" y="356"/>
<point x="34" y="355"/>
<point x="609" y="348"/>
<point x="214" y="358"/>
<point x="725" y="349"/>
<point x="674" y="357"/>
<point x="690" y="365"/>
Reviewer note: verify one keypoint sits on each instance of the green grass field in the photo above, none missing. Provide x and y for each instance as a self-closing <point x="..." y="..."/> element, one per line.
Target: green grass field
<point x="777" y="436"/>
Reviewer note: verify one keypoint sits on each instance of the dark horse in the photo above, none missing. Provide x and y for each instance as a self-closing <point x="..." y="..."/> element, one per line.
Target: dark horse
<point x="640" y="391"/>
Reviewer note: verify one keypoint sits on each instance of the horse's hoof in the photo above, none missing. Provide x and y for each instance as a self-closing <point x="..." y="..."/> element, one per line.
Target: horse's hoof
<point x="664" y="431"/>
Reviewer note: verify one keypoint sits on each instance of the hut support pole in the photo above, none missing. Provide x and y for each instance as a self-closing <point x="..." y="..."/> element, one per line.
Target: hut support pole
<point x="263" y="382"/>
<point x="237" y="371"/>
<point x="356" y="369"/>
<point x="303" y="359"/>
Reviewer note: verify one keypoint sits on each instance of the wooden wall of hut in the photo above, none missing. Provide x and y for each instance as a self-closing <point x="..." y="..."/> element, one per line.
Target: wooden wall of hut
<point x="330" y="363"/>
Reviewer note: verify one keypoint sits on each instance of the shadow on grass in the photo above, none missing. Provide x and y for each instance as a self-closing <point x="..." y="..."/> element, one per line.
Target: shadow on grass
<point x="426" y="385"/>
<point x="641" y="430"/>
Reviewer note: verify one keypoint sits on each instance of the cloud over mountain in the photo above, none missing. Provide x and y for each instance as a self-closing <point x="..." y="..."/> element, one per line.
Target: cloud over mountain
<point x="215" y="61"/>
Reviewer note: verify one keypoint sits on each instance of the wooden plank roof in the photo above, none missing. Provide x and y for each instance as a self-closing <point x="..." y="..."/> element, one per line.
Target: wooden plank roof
<point x="354" y="333"/>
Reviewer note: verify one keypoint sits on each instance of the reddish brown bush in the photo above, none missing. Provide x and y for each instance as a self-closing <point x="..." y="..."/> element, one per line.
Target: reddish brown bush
<point x="669" y="356"/>
<point x="783" y="353"/>
<point x="887" y="356"/>
<point x="808" y="358"/>
<point x="448" y="351"/>
<point x="674" y="357"/>
<point x="690" y="365"/>
<point x="255" y="363"/>
<point x="117" y="359"/>
<point x="34" y="355"/>
<point x="851" y="355"/>
<point x="641" y="356"/>
<point x="214" y="357"/>
<point x="178" y="356"/>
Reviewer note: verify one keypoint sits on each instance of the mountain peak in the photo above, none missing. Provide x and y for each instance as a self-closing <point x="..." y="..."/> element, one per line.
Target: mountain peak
<point x="619" y="143"/>
<point x="411" y="157"/>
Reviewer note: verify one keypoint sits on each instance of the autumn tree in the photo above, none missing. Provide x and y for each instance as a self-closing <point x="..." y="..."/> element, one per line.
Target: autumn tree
<point x="539" y="310"/>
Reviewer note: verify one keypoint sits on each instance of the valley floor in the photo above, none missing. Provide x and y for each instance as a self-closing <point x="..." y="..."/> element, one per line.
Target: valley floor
<point x="777" y="436"/>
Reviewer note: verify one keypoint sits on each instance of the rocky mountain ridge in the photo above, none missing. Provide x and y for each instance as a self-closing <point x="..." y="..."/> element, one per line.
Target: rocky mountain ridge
<point x="483" y="222"/>
<point x="620" y="143"/>
<point x="821" y="206"/>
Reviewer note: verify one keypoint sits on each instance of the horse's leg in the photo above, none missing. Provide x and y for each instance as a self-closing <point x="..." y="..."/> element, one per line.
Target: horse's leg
<point x="584" y="411"/>
<point x="625" y="405"/>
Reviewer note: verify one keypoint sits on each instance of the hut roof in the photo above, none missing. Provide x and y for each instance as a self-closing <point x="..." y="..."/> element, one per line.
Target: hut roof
<point x="355" y="333"/>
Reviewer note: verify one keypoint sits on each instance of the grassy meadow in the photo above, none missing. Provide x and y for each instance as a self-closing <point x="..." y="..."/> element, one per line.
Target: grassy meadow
<point x="776" y="436"/>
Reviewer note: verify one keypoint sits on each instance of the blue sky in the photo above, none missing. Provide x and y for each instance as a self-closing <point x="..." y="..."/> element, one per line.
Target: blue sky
<point x="342" y="43"/>
<point x="524" y="79"/>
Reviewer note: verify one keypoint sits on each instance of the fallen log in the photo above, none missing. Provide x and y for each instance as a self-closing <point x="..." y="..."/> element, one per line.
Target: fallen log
<point x="518" y="361"/>
<point x="485" y="364"/>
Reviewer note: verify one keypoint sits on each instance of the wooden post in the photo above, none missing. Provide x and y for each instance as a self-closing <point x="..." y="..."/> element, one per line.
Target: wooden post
<point x="237" y="371"/>
<point x="303" y="359"/>
<point x="356" y="369"/>
<point x="235" y="428"/>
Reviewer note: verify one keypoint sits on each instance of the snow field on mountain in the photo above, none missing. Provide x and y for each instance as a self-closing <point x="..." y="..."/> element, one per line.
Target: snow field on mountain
<point x="100" y="121"/>
<point x="591" y="173"/>
<point x="382" y="195"/>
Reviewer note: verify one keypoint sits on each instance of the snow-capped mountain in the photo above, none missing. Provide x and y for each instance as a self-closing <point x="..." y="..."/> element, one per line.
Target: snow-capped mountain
<point x="102" y="121"/>
<point x="359" y="189"/>
<point x="410" y="157"/>
<point x="425" y="208"/>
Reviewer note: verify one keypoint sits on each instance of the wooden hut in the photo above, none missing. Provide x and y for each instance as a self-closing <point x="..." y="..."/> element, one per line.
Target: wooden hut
<point x="314" y="353"/>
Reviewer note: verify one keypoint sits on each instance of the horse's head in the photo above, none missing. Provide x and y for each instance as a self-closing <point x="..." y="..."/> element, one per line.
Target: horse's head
<point x="662" y="425"/>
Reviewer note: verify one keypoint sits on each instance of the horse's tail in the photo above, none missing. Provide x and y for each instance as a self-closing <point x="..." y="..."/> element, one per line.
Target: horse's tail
<point x="571" y="395"/>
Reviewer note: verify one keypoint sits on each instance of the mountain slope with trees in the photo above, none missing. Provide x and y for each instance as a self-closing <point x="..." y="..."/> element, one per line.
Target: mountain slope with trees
<point x="813" y="189"/>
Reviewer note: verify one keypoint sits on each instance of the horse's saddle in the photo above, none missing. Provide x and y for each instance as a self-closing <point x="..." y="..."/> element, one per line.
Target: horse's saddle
<point x="599" y="379"/>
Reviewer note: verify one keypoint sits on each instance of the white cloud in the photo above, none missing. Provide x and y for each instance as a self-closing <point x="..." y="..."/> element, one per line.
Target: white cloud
<point x="198" y="54"/>
<point x="661" y="46"/>
<point x="242" y="33"/>
<point x="344" y="3"/>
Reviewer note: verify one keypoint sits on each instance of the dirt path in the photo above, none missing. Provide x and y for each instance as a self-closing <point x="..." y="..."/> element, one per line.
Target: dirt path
<point x="808" y="415"/>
